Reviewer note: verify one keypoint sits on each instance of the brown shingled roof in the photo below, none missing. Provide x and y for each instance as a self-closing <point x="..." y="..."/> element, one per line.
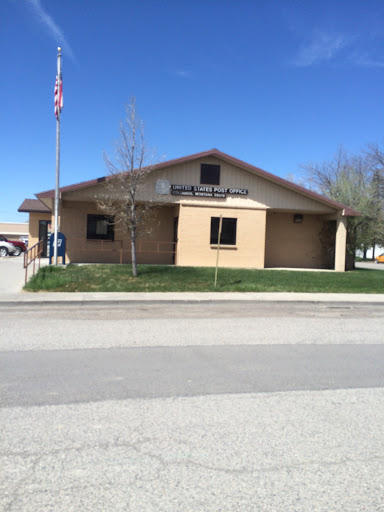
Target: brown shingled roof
<point x="234" y="161"/>
<point x="33" y="205"/>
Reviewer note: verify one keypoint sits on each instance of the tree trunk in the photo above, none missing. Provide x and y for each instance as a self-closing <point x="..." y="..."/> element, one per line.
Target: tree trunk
<point x="351" y="249"/>
<point x="133" y="237"/>
<point x="364" y="254"/>
<point x="133" y="252"/>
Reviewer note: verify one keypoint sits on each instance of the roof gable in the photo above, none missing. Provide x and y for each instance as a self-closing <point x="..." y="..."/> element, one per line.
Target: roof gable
<point x="231" y="160"/>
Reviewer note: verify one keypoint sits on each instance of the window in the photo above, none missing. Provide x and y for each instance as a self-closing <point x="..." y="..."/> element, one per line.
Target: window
<point x="210" y="174"/>
<point x="99" y="227"/>
<point x="228" y="231"/>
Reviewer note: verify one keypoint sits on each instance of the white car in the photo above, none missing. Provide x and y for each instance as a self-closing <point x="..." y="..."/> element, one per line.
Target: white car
<point x="6" y="248"/>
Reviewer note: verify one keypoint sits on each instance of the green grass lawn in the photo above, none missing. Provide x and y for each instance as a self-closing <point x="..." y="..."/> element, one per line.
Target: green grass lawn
<point x="157" y="278"/>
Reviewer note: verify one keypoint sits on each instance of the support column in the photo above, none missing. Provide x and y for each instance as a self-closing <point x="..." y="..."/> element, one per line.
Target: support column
<point x="180" y="238"/>
<point x="341" y="244"/>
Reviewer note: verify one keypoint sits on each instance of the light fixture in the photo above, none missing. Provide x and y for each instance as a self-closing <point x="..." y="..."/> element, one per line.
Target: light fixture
<point x="298" y="218"/>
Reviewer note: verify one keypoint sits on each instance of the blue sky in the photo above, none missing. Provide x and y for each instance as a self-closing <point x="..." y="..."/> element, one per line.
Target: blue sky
<point x="276" y="83"/>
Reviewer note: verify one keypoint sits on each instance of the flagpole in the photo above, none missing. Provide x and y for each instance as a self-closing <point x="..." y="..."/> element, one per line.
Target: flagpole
<point x="56" y="229"/>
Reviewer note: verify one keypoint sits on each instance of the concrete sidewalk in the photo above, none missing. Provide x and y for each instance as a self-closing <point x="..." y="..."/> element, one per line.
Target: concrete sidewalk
<point x="12" y="273"/>
<point x="121" y="298"/>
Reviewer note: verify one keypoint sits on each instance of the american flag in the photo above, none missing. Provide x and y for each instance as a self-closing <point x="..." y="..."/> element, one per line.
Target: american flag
<point x="58" y="97"/>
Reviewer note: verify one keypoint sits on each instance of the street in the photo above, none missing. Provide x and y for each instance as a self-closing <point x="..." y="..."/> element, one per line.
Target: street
<point x="72" y="376"/>
<point x="165" y="324"/>
<point x="192" y="407"/>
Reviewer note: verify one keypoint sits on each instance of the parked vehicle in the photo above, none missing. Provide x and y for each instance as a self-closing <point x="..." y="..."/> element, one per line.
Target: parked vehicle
<point x="380" y="258"/>
<point x="6" y="248"/>
<point x="20" y="246"/>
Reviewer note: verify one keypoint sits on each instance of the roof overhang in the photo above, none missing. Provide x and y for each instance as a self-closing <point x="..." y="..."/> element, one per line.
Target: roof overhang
<point x="33" y="206"/>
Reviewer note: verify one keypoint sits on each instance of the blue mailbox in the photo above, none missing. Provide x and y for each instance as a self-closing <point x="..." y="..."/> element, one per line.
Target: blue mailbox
<point x="60" y="247"/>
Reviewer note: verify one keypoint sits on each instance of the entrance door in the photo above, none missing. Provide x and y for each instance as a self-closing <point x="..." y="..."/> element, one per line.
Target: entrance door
<point x="43" y="235"/>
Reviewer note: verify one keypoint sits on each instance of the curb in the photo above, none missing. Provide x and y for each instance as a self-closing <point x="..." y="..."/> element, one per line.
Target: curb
<point x="121" y="299"/>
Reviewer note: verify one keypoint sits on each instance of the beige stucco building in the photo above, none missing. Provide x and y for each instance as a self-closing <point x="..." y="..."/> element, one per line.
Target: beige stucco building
<point x="14" y="230"/>
<point x="266" y="221"/>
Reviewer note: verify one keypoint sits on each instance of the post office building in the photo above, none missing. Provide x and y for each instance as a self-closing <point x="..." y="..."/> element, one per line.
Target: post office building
<point x="266" y="221"/>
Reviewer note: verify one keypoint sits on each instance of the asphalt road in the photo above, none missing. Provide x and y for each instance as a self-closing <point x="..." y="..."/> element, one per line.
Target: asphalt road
<point x="73" y="376"/>
<point x="369" y="265"/>
<point x="173" y="325"/>
<point x="213" y="407"/>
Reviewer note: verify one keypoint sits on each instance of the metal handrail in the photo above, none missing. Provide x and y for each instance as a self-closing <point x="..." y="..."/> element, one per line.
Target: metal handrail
<point x="143" y="246"/>
<point x="30" y="257"/>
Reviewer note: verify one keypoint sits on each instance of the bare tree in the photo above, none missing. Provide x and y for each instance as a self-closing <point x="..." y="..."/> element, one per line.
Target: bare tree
<point x="129" y="168"/>
<point x="375" y="155"/>
<point x="348" y="180"/>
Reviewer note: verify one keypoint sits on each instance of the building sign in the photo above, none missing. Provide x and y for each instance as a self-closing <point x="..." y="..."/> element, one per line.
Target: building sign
<point x="204" y="191"/>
